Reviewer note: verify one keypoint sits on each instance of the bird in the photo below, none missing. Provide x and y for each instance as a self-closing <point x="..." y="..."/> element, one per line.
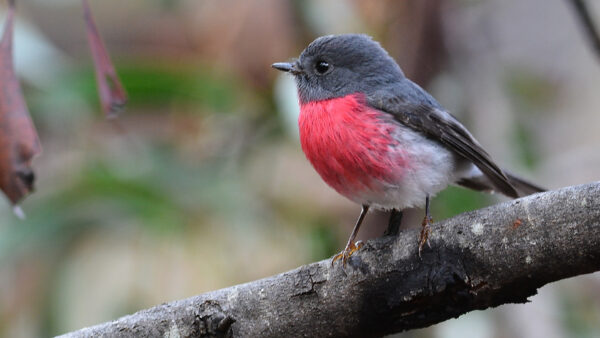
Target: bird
<point x="381" y="140"/>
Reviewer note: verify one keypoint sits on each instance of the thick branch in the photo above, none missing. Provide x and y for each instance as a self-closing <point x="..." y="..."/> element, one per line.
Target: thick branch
<point x="480" y="259"/>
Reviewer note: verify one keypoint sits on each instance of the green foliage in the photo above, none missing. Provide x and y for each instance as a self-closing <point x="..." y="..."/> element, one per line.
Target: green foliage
<point x="580" y="315"/>
<point x="162" y="84"/>
<point x="455" y="200"/>
<point x="531" y="95"/>
<point x="529" y="91"/>
<point x="524" y="146"/>
<point x="322" y="241"/>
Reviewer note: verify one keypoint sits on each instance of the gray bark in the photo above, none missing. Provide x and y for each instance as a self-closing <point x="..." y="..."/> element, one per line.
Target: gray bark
<point x="496" y="255"/>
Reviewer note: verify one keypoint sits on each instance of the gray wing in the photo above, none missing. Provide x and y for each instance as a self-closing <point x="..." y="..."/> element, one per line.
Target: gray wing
<point x="422" y="113"/>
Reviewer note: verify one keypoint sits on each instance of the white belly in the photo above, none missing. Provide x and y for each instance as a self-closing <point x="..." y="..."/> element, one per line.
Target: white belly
<point x="431" y="168"/>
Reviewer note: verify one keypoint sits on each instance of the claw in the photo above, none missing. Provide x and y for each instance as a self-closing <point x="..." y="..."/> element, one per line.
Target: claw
<point x="347" y="252"/>
<point x="425" y="231"/>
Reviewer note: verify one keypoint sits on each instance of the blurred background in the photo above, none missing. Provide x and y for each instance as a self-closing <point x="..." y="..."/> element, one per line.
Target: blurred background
<point x="201" y="183"/>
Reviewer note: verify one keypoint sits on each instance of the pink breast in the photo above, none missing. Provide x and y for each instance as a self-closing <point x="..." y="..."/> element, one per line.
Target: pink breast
<point x="350" y="145"/>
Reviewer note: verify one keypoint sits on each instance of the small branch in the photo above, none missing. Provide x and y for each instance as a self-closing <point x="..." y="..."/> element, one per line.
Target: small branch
<point x="588" y="24"/>
<point x="497" y="255"/>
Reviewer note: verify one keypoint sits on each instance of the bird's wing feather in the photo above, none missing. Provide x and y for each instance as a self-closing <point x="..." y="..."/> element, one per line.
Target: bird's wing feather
<point x="441" y="126"/>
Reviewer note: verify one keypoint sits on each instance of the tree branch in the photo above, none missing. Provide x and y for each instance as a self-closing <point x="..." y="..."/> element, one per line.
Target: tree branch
<point x="587" y="24"/>
<point x="480" y="259"/>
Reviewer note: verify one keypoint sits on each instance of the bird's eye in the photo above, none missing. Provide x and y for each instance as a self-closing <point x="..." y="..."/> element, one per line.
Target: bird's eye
<point x="322" y="67"/>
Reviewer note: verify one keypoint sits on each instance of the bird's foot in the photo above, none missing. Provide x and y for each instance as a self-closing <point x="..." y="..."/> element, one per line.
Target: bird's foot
<point x="347" y="252"/>
<point x="425" y="231"/>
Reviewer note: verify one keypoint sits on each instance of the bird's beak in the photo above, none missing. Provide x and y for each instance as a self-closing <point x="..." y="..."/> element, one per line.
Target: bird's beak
<point x="291" y="68"/>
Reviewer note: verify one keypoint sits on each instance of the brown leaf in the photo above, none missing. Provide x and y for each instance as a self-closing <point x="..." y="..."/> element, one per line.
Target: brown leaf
<point x="111" y="92"/>
<point x="19" y="141"/>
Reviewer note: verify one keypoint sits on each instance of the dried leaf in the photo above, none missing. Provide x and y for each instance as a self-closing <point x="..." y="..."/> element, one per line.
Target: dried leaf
<point x="19" y="141"/>
<point x="111" y="92"/>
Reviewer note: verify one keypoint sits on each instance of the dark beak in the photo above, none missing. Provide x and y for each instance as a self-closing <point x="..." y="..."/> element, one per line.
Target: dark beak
<point x="291" y="68"/>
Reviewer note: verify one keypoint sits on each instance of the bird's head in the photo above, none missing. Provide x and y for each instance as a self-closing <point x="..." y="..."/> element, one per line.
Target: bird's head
<point x="337" y="65"/>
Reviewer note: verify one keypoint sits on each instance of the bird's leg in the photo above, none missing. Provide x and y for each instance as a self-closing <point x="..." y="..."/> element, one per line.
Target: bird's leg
<point x="351" y="247"/>
<point x="426" y="229"/>
<point x="394" y="223"/>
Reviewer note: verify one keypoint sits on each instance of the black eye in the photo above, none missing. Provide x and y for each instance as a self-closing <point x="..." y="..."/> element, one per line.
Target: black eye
<point x="322" y="67"/>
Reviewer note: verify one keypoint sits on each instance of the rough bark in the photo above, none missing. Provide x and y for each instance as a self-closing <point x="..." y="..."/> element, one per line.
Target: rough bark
<point x="497" y="255"/>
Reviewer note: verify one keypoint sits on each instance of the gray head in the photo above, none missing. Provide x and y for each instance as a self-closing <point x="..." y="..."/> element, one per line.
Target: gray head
<point x="338" y="65"/>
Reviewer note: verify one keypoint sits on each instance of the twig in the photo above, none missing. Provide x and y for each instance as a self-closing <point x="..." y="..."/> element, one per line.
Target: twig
<point x="588" y="24"/>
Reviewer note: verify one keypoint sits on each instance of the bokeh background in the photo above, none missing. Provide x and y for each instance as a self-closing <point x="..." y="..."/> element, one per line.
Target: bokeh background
<point x="201" y="183"/>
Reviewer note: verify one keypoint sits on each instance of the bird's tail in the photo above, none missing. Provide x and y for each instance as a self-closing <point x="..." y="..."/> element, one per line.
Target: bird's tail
<point x="522" y="186"/>
<point x="482" y="183"/>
